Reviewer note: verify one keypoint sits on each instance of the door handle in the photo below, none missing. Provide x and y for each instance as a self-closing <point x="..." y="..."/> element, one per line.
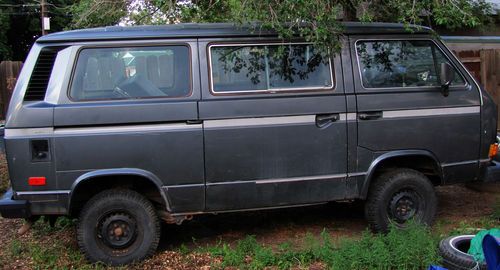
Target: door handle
<point x="370" y="115"/>
<point x="323" y="120"/>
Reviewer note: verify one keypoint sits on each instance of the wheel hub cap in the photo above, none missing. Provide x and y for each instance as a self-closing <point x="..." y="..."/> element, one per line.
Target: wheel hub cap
<point x="117" y="230"/>
<point x="403" y="206"/>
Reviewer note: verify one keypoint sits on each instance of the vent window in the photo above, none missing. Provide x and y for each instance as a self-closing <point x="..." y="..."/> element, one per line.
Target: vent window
<point x="37" y="86"/>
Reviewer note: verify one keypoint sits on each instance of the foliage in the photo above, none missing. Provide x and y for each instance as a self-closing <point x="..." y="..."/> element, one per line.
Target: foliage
<point x="412" y="248"/>
<point x="5" y="51"/>
<point x="94" y="13"/>
<point x="20" y="24"/>
<point x="316" y="21"/>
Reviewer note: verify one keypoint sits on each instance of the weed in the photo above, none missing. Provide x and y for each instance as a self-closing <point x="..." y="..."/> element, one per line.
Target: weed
<point x="411" y="248"/>
<point x="184" y="250"/>
<point x="44" y="257"/>
<point x="16" y="248"/>
<point x="4" y="175"/>
<point x="496" y="209"/>
<point x="473" y="226"/>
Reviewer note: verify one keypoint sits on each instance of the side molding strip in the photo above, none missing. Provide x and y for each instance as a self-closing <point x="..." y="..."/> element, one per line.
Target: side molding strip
<point x="44" y="192"/>
<point x="34" y="132"/>
<point x="431" y="112"/>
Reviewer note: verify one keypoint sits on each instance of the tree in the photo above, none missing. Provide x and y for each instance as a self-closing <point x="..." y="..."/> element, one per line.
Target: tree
<point x="20" y="24"/>
<point x="316" y="21"/>
<point x="94" y="13"/>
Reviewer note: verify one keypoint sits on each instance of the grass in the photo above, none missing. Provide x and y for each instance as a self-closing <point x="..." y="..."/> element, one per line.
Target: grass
<point x="46" y="250"/>
<point x="470" y="226"/>
<point x="4" y="175"/>
<point x="412" y="248"/>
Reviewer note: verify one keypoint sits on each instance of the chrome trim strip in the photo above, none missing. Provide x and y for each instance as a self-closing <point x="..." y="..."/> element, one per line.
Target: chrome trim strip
<point x="297" y="179"/>
<point x="261" y="121"/>
<point x="352" y="116"/>
<point x="44" y="192"/>
<point x="272" y="90"/>
<point x="281" y="180"/>
<point x="25" y="132"/>
<point x="183" y="186"/>
<point x="431" y="112"/>
<point x="356" y="174"/>
<point x="459" y="163"/>
<point x="275" y="180"/>
<point x="485" y="160"/>
<point x="230" y="183"/>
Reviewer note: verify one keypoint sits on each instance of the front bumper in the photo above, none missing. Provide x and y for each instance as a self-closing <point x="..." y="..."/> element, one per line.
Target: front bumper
<point x="493" y="172"/>
<point x="10" y="208"/>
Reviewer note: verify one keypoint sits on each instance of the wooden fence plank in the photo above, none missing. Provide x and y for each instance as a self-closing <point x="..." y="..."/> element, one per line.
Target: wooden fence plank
<point x="9" y="70"/>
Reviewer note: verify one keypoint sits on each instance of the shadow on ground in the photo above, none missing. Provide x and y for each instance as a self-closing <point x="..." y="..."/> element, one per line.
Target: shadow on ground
<point x="269" y="226"/>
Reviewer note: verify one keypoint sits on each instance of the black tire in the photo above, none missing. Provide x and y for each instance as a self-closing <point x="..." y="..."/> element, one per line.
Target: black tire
<point x="118" y="227"/>
<point x="453" y="250"/>
<point x="398" y="196"/>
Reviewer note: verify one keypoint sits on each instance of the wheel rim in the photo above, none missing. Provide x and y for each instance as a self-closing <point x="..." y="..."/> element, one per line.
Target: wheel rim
<point x="404" y="205"/>
<point x="117" y="230"/>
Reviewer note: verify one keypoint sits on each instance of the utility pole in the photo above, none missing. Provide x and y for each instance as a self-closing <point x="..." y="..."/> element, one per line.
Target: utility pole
<point x="42" y="15"/>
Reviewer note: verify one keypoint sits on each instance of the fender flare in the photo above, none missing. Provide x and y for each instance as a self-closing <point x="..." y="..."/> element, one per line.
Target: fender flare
<point x="394" y="154"/>
<point x="116" y="172"/>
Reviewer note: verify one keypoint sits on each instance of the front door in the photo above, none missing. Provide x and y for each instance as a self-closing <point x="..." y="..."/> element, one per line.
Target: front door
<point x="274" y="125"/>
<point x="401" y="105"/>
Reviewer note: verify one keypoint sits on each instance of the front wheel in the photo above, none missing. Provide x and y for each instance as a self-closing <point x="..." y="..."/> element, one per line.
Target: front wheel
<point x="118" y="227"/>
<point x="399" y="196"/>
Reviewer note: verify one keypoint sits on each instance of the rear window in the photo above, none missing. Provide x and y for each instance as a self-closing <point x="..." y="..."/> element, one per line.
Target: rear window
<point x="131" y="73"/>
<point x="401" y="63"/>
<point x="268" y="68"/>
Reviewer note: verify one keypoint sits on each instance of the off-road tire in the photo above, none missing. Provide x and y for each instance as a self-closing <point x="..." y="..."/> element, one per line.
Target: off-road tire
<point x="384" y="189"/>
<point x="135" y="207"/>
<point x="456" y="259"/>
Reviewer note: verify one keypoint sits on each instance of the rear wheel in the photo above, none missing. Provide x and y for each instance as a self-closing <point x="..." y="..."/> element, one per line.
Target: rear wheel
<point x="399" y="196"/>
<point x="118" y="227"/>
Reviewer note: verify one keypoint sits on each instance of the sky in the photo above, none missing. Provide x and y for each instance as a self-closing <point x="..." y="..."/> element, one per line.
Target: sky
<point x="494" y="2"/>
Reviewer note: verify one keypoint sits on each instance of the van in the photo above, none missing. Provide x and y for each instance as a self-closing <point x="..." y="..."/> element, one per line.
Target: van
<point x="124" y="127"/>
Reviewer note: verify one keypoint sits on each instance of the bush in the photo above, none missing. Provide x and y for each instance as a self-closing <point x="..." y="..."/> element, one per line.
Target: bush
<point x="411" y="248"/>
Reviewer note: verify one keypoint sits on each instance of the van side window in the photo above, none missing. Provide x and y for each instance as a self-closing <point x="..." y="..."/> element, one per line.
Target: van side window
<point x="268" y="68"/>
<point x="401" y="63"/>
<point x="130" y="73"/>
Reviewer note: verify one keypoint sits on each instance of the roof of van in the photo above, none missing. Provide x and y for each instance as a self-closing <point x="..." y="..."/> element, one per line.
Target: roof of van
<point x="196" y="30"/>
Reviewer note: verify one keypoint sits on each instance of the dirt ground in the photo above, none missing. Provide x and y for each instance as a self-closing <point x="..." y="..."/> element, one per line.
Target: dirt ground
<point x="457" y="205"/>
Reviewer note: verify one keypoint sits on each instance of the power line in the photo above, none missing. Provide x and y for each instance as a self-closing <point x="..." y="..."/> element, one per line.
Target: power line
<point x="19" y="5"/>
<point x="33" y="5"/>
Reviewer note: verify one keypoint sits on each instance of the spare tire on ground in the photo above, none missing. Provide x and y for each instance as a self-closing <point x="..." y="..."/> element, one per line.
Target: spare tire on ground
<point x="454" y="252"/>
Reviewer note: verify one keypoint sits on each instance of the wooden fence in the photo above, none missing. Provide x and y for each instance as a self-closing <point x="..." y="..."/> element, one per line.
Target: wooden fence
<point x="9" y="71"/>
<point x="484" y="65"/>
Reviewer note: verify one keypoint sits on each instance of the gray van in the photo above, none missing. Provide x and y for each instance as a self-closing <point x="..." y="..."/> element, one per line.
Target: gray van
<point x="123" y="127"/>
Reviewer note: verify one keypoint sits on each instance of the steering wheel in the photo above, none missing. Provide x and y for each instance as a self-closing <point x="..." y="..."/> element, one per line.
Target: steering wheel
<point x="121" y="92"/>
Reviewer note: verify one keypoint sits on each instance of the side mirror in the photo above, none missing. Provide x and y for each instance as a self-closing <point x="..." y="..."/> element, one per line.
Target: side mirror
<point x="447" y="74"/>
